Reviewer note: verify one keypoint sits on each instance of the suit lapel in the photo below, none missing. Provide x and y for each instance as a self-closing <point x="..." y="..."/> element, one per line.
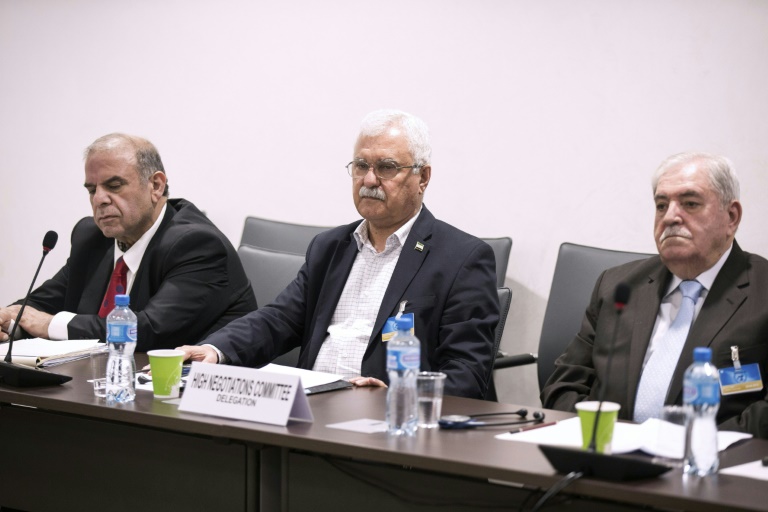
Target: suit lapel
<point x="728" y="292"/>
<point x="96" y="287"/>
<point x="648" y="300"/>
<point x="333" y="284"/>
<point x="142" y="288"/>
<point x="408" y="265"/>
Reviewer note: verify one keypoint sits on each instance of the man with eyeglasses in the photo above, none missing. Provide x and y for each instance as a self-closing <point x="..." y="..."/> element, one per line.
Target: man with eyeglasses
<point x="398" y="259"/>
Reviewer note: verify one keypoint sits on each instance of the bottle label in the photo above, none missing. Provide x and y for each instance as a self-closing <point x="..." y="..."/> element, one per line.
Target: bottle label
<point x="702" y="393"/>
<point x="121" y="333"/>
<point x="403" y="358"/>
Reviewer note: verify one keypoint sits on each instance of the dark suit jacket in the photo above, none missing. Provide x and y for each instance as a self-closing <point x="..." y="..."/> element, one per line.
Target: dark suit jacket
<point x="450" y="287"/>
<point x="735" y="312"/>
<point x="190" y="282"/>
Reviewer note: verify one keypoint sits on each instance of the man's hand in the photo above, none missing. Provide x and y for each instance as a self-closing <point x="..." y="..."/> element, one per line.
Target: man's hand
<point x="6" y="316"/>
<point x="367" y="381"/>
<point x="34" y="322"/>
<point x="201" y="353"/>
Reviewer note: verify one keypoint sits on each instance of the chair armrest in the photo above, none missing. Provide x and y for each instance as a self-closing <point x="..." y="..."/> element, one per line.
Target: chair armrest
<point x="516" y="360"/>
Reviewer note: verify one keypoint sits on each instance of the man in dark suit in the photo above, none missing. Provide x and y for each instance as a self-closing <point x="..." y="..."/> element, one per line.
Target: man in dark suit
<point x="697" y="215"/>
<point x="399" y="258"/>
<point x="184" y="277"/>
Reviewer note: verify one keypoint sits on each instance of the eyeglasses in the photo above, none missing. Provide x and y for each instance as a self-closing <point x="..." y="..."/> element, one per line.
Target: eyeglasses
<point x="385" y="170"/>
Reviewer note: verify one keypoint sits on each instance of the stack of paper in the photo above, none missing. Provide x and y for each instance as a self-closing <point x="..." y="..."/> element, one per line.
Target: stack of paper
<point x="654" y="437"/>
<point x="311" y="380"/>
<point x="46" y="353"/>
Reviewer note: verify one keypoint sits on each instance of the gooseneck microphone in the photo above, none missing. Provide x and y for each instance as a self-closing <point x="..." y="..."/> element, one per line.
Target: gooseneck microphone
<point x="20" y="375"/>
<point x="620" y="299"/>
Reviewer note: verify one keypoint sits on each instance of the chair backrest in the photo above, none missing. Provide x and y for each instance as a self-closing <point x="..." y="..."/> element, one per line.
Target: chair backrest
<point x="505" y="299"/>
<point x="279" y="236"/>
<point x="269" y="271"/>
<point x="576" y="273"/>
<point x="501" y="249"/>
<point x="272" y="253"/>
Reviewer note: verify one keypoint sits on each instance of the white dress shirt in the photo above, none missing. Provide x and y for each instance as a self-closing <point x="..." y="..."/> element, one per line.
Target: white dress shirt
<point x="352" y="323"/>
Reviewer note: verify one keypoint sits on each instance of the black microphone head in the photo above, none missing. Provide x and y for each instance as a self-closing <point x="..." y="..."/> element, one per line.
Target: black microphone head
<point x="522" y="413"/>
<point x="621" y="295"/>
<point x="49" y="241"/>
<point x="539" y="416"/>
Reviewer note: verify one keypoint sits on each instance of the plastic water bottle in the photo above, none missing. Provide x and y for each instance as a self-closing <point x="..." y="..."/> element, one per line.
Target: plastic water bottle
<point x="403" y="359"/>
<point x="121" y="339"/>
<point x="701" y="398"/>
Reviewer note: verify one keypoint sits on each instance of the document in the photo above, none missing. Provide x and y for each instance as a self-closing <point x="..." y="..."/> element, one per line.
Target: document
<point x="654" y="437"/>
<point x="47" y="353"/>
<point x="754" y="469"/>
<point x="309" y="378"/>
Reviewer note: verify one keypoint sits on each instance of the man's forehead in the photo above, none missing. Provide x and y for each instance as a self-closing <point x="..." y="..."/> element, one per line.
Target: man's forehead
<point x="391" y="141"/>
<point x="687" y="179"/>
<point x="103" y="166"/>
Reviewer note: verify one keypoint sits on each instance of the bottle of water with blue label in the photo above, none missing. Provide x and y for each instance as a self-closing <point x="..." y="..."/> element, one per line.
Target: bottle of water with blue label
<point x="403" y="360"/>
<point x="121" y="339"/>
<point x="701" y="398"/>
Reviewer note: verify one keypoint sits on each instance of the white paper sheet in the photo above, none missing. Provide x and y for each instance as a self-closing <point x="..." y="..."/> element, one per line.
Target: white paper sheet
<point x="754" y="470"/>
<point x="363" y="425"/>
<point x="654" y="437"/>
<point x="39" y="347"/>
<point x="47" y="353"/>
<point x="309" y="378"/>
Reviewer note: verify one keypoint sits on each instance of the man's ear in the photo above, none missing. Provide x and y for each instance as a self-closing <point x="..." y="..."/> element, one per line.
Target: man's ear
<point x="424" y="177"/>
<point x="734" y="216"/>
<point x="158" y="181"/>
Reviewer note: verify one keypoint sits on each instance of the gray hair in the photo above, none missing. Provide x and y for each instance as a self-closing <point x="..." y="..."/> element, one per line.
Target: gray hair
<point x="415" y="130"/>
<point x="145" y="153"/>
<point x="719" y="169"/>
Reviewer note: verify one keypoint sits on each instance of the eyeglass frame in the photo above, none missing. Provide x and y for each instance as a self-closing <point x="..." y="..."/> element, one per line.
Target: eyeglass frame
<point x="376" y="167"/>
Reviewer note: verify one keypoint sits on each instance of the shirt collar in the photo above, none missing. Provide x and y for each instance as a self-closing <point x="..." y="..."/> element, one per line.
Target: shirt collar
<point x="706" y="278"/>
<point x="361" y="233"/>
<point x="132" y="257"/>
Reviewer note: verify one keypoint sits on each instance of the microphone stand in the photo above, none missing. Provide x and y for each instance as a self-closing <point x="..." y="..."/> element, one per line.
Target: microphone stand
<point x="592" y="447"/>
<point x="12" y="334"/>
<point x="20" y="375"/>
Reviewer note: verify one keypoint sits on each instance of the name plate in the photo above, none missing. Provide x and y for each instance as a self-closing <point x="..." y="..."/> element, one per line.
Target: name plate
<point x="242" y="393"/>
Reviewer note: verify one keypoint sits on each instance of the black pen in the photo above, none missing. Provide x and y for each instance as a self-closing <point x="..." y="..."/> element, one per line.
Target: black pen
<point x="532" y="427"/>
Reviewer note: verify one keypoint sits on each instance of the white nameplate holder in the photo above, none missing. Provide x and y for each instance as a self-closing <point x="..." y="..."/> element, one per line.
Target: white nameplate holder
<point x="247" y="394"/>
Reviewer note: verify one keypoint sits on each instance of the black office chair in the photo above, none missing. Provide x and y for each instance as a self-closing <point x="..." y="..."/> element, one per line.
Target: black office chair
<point x="505" y="299"/>
<point x="501" y="249"/>
<point x="279" y="236"/>
<point x="576" y="271"/>
<point x="272" y="253"/>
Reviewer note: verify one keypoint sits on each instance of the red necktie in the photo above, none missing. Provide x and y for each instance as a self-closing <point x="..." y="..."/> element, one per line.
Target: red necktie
<point x="117" y="285"/>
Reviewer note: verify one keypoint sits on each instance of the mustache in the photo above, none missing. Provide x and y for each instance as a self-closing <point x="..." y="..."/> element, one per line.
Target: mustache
<point x="675" y="231"/>
<point x="373" y="193"/>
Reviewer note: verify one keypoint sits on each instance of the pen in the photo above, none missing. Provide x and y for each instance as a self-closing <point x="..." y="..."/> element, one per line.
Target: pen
<point x="532" y="427"/>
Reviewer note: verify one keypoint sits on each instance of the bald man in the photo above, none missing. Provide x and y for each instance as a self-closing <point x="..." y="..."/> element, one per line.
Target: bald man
<point x="184" y="277"/>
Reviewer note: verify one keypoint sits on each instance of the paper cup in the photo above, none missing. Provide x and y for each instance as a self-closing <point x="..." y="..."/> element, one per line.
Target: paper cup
<point x="166" y="372"/>
<point x="608" y="414"/>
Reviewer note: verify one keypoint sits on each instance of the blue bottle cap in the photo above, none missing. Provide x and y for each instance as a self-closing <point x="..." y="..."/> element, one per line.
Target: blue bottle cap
<point x="122" y="300"/>
<point x="404" y="323"/>
<point x="702" y="354"/>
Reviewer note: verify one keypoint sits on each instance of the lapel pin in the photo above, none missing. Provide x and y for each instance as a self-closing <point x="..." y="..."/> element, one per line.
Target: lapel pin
<point x="419" y="246"/>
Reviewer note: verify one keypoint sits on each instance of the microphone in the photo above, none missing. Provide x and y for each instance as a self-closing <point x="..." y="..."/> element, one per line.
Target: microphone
<point x="620" y="299"/>
<point x="590" y="462"/>
<point x="21" y="375"/>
